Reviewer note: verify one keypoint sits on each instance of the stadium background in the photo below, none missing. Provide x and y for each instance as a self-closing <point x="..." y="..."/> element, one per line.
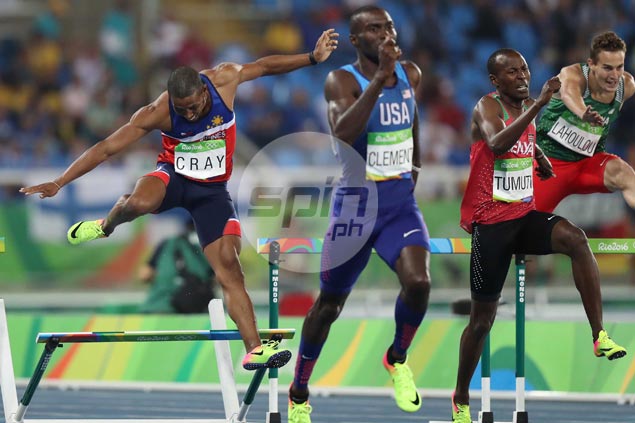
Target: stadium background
<point x="71" y="71"/>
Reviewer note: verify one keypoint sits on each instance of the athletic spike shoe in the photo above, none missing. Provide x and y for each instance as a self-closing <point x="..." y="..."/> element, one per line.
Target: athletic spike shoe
<point x="605" y="346"/>
<point x="85" y="231"/>
<point x="299" y="413"/>
<point x="267" y="356"/>
<point x="406" y="394"/>
<point x="460" y="412"/>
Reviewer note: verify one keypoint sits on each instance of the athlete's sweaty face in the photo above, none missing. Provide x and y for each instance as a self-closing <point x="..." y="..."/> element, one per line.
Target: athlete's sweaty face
<point x="370" y="30"/>
<point x="193" y="106"/>
<point x="608" y="69"/>
<point x="512" y="77"/>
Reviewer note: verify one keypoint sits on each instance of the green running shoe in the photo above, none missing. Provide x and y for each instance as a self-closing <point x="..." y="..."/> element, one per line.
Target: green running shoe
<point x="460" y="412"/>
<point x="266" y="355"/>
<point x="85" y="231"/>
<point x="605" y="346"/>
<point x="406" y="393"/>
<point x="299" y="413"/>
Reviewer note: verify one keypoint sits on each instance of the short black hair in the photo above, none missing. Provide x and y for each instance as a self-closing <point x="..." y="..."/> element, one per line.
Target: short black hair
<point x="493" y="58"/>
<point x="183" y="82"/>
<point x="353" y="25"/>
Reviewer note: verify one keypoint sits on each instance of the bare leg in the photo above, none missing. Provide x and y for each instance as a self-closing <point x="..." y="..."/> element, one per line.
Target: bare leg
<point x="630" y="158"/>
<point x="222" y="255"/>
<point x="414" y="276"/>
<point x="620" y="176"/>
<point x="146" y="197"/>
<point x="472" y="340"/>
<point x="568" y="239"/>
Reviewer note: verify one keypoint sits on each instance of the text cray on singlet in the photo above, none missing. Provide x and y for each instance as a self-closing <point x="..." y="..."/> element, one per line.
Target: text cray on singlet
<point x="500" y="188"/>
<point x="202" y="150"/>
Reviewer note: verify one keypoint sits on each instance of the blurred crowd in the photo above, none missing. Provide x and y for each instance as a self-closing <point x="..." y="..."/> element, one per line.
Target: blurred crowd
<point x="58" y="96"/>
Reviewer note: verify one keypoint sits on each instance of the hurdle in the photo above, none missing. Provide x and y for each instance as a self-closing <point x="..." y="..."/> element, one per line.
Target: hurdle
<point x="485" y="415"/>
<point x="14" y="411"/>
<point x="463" y="246"/>
<point x="273" y="414"/>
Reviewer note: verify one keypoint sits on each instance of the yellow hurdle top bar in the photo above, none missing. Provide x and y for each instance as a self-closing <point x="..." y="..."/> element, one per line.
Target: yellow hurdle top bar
<point x="2" y="244"/>
<point x="438" y="245"/>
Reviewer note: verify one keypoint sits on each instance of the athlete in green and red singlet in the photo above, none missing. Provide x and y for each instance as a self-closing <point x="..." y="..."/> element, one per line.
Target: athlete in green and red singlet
<point x="574" y="127"/>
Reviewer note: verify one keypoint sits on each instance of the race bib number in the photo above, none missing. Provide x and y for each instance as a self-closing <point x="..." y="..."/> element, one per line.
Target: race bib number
<point x="200" y="160"/>
<point x="513" y="180"/>
<point x="575" y="134"/>
<point x="389" y="154"/>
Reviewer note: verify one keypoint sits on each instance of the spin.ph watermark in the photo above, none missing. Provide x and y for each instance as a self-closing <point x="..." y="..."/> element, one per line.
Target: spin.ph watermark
<point x="308" y="188"/>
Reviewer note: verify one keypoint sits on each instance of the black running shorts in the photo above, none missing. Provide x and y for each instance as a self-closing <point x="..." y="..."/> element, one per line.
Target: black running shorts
<point x="493" y="246"/>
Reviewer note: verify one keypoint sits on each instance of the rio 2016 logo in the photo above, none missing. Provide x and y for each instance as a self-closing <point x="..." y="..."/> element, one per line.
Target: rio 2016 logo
<point x="321" y="196"/>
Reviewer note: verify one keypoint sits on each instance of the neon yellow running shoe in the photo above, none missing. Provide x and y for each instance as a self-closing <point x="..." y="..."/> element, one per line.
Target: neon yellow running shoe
<point x="266" y="355"/>
<point x="460" y="412"/>
<point x="605" y="346"/>
<point x="406" y="394"/>
<point x="299" y="413"/>
<point x="85" y="231"/>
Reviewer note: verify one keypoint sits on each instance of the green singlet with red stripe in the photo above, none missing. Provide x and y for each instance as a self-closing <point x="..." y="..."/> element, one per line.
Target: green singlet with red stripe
<point x="563" y="135"/>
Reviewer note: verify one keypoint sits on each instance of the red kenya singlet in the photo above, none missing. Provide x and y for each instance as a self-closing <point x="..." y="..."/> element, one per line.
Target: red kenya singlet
<point x="500" y="188"/>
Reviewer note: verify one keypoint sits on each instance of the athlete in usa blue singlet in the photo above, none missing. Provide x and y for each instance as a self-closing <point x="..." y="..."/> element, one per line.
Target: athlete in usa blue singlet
<point x="387" y="144"/>
<point x="372" y="108"/>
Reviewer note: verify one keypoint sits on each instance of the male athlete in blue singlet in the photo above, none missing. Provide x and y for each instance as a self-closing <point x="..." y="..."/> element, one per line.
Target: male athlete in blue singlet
<point x="371" y="107"/>
<point x="196" y="118"/>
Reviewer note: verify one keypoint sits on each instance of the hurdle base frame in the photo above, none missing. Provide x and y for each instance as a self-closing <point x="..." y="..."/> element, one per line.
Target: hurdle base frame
<point x="488" y="417"/>
<point x="11" y="406"/>
<point x="521" y="417"/>
<point x="485" y="417"/>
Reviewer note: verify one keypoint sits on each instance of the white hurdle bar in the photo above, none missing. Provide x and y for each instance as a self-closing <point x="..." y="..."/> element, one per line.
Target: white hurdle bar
<point x="15" y="411"/>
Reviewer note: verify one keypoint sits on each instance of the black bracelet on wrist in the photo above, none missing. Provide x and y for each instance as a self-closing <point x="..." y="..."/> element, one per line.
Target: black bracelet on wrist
<point x="312" y="58"/>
